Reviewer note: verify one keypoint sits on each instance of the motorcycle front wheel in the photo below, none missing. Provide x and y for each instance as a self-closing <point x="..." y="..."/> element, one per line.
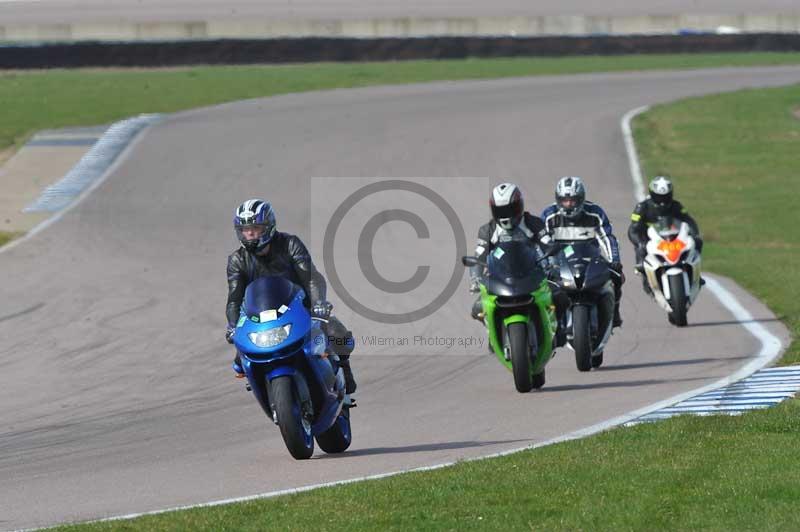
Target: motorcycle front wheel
<point x="582" y="337"/>
<point x="295" y="430"/>
<point x="520" y="356"/>
<point x="677" y="300"/>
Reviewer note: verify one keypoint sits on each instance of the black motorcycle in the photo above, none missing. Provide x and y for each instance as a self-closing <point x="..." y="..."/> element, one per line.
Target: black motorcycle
<point x="581" y="274"/>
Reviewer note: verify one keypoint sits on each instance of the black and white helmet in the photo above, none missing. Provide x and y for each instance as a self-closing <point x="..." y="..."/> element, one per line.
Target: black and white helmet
<point x="570" y="196"/>
<point x="661" y="193"/>
<point x="254" y="213"/>
<point x="507" y="205"/>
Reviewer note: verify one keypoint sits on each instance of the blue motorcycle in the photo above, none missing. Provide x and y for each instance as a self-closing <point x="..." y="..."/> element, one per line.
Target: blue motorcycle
<point x="290" y="370"/>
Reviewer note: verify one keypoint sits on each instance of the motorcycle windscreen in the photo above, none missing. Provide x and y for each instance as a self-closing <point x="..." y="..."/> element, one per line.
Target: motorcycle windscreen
<point x="667" y="227"/>
<point x="579" y="250"/>
<point x="516" y="262"/>
<point x="267" y="293"/>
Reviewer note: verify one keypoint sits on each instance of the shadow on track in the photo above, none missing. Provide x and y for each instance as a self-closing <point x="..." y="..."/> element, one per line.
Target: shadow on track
<point x="21" y="313"/>
<point x="615" y="384"/>
<point x="683" y="362"/>
<point x="733" y="322"/>
<point x="422" y="447"/>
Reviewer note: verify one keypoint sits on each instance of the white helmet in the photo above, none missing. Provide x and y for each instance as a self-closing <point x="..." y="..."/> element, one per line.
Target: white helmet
<point x="661" y="192"/>
<point x="507" y="205"/>
<point x="570" y="196"/>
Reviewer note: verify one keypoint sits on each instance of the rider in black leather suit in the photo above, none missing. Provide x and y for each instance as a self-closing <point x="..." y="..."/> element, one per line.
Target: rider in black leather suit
<point x="510" y="221"/>
<point x="265" y="252"/>
<point x="658" y="204"/>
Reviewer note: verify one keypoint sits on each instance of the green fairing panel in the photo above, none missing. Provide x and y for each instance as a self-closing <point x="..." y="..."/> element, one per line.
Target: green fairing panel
<point x="544" y="303"/>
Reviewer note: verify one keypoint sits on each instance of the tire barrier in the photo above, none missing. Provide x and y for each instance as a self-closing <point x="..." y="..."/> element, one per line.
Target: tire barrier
<point x="319" y="49"/>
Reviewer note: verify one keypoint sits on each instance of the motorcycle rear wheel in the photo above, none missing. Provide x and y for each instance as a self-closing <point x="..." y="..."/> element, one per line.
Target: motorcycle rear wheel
<point x="337" y="438"/>
<point x="538" y="380"/>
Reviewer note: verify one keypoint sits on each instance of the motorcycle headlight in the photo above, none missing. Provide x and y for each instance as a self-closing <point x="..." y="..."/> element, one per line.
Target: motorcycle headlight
<point x="270" y="337"/>
<point x="567" y="280"/>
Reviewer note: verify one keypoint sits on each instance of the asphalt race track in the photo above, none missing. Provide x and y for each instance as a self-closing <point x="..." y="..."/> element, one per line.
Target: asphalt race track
<point x="116" y="394"/>
<point x="110" y="11"/>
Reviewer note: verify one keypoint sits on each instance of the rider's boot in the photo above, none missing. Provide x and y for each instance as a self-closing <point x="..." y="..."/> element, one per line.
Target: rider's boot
<point x="349" y="381"/>
<point x="477" y="310"/>
<point x="237" y="366"/>
<point x="617" y="317"/>
<point x="646" y="286"/>
<point x="561" y="333"/>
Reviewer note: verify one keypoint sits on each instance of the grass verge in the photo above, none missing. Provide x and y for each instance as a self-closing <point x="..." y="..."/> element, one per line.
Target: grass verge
<point x="6" y="236"/>
<point x="686" y="473"/>
<point x="61" y="98"/>
<point x="731" y="157"/>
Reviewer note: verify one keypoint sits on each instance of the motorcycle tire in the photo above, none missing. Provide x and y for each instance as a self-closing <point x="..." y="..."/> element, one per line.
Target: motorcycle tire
<point x="520" y="356"/>
<point x="677" y="301"/>
<point x="582" y="337"/>
<point x="597" y="360"/>
<point x="295" y="430"/>
<point x="538" y="380"/>
<point x="337" y="438"/>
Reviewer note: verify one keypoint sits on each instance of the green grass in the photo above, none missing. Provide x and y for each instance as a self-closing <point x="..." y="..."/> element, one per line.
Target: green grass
<point x="734" y="160"/>
<point x="688" y="473"/>
<point x="6" y="236"/>
<point x="34" y="100"/>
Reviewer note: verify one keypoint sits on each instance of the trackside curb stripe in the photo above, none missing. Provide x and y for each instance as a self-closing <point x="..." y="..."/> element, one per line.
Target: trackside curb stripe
<point x="105" y="158"/>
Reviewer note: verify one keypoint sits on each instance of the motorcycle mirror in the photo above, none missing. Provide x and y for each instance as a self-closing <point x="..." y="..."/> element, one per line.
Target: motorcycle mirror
<point x="472" y="261"/>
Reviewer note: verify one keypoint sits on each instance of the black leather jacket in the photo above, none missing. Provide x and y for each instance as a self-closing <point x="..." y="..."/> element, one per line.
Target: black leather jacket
<point x="287" y="257"/>
<point x="532" y="228"/>
<point x="646" y="213"/>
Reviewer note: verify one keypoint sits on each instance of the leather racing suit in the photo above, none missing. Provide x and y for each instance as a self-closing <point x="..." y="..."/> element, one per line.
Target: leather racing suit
<point x="286" y="257"/>
<point x="591" y="223"/>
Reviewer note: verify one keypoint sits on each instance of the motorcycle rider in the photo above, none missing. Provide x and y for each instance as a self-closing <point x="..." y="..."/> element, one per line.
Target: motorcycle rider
<point x="658" y="204"/>
<point x="264" y="251"/>
<point x="510" y="221"/>
<point x="572" y="218"/>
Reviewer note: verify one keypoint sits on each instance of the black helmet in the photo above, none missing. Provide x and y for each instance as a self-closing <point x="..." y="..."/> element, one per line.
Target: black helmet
<point x="661" y="193"/>
<point x="254" y="213"/>
<point x="507" y="205"/>
<point x="570" y="196"/>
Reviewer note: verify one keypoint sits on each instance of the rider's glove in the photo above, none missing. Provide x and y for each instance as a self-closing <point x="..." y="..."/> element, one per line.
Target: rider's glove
<point x="474" y="286"/>
<point x="321" y="309"/>
<point x="229" y="332"/>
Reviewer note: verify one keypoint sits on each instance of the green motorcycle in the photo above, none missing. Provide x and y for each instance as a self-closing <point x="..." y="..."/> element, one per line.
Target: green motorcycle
<point x="518" y="311"/>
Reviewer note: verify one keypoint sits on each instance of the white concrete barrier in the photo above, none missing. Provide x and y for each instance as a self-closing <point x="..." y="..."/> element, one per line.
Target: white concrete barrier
<point x="404" y="27"/>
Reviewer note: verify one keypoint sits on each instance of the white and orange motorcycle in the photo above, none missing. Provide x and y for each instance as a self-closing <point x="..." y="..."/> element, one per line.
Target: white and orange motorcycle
<point x="672" y="267"/>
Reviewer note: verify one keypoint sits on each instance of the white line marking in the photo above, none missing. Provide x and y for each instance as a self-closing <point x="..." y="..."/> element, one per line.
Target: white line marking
<point x="630" y="148"/>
